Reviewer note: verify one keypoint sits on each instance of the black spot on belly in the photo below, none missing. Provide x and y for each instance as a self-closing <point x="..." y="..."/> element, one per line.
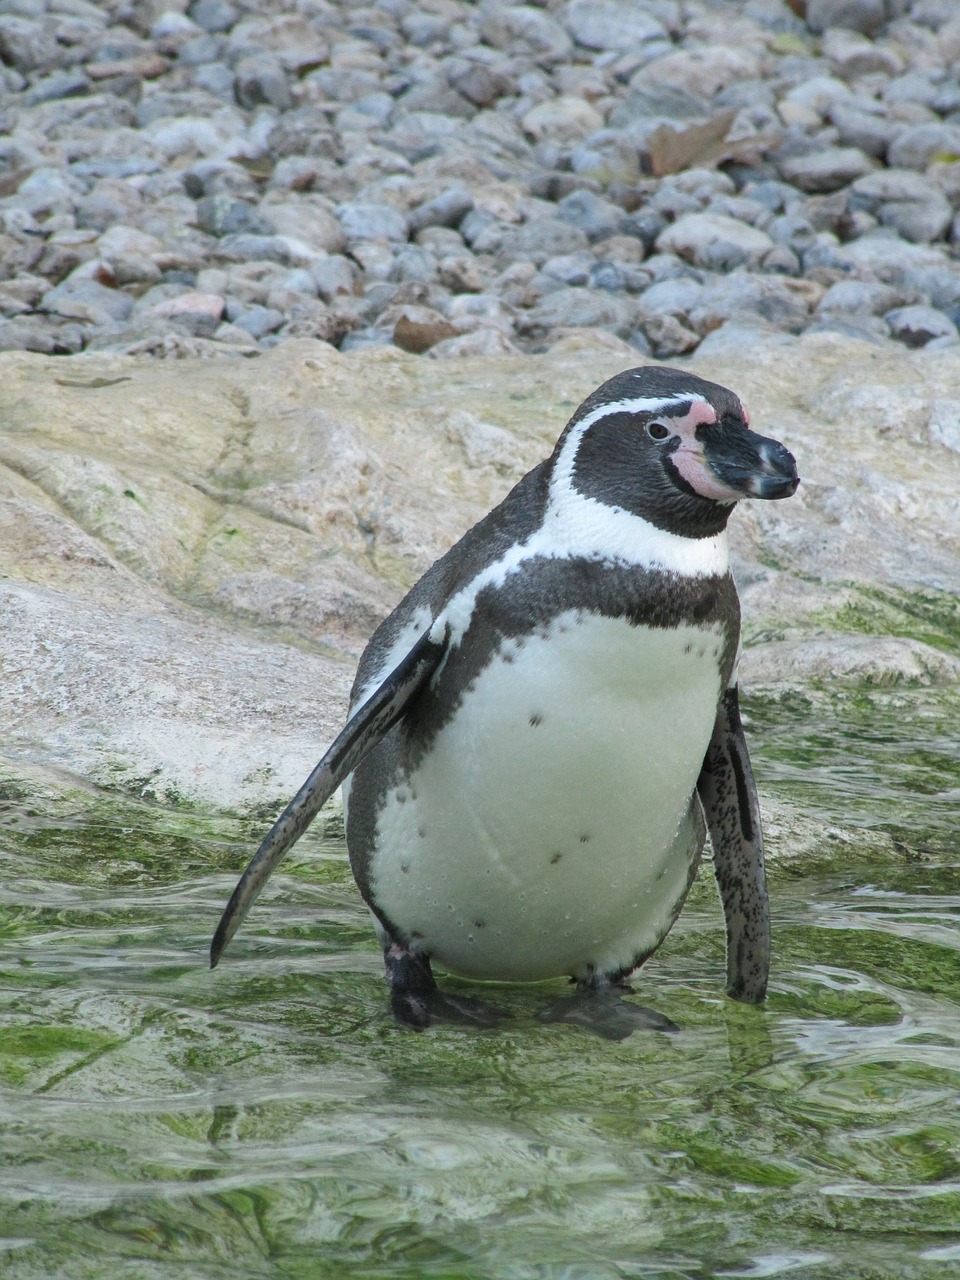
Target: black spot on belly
<point x="535" y="719"/>
<point x="479" y="924"/>
<point x="405" y="868"/>
<point x="555" y="859"/>
<point x="584" y="839"/>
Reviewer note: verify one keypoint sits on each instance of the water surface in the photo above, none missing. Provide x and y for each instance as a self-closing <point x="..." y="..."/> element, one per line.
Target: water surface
<point x="268" y="1120"/>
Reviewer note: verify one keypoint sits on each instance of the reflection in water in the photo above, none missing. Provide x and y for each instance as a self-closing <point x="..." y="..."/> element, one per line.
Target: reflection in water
<point x="269" y="1120"/>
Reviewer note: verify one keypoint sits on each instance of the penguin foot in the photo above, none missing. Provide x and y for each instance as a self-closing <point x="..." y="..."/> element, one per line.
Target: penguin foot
<point x="417" y="1002"/>
<point x="420" y="1009"/>
<point x="604" y="1011"/>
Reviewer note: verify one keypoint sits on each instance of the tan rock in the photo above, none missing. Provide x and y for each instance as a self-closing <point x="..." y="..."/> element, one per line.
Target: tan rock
<point x="194" y="551"/>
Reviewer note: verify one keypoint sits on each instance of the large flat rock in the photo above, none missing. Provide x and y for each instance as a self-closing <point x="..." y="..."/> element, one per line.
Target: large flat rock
<point x="195" y="551"/>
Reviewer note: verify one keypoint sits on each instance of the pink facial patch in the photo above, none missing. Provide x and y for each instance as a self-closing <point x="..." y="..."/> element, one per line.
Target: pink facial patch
<point x="700" y="415"/>
<point x="688" y="458"/>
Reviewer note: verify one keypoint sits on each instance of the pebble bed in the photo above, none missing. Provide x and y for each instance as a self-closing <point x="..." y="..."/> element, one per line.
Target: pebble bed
<point x="475" y="178"/>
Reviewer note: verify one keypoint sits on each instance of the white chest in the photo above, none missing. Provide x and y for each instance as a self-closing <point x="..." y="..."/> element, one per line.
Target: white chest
<point x="550" y="828"/>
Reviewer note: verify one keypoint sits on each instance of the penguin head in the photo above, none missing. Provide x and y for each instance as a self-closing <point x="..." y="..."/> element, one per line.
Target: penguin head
<point x="672" y="448"/>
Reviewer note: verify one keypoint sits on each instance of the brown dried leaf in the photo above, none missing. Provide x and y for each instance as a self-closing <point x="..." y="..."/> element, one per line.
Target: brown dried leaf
<point x="703" y="146"/>
<point x="694" y="146"/>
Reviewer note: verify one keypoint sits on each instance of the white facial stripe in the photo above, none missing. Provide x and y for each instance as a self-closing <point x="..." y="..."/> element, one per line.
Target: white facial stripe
<point x="575" y="525"/>
<point x="563" y="471"/>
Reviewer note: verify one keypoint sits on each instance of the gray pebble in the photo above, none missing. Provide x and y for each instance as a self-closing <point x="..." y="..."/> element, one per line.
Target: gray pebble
<point x="87" y="300"/>
<point x="261" y="80"/>
<point x="611" y="24"/>
<point x="745" y="293"/>
<point x="445" y="210"/>
<point x="667" y="336"/>
<point x="857" y="15"/>
<point x="868" y="132"/>
<point x="570" y="268"/>
<point x="537" y="241"/>
<point x="608" y="276"/>
<point x="416" y="264"/>
<point x="334" y="276"/>
<point x="714" y="241"/>
<point x="825" y="170"/>
<point x="256" y="320"/>
<point x="859" y="297"/>
<point x="903" y="199"/>
<point x="247" y="247"/>
<point x="215" y="78"/>
<point x="213" y="15"/>
<point x="581" y="308"/>
<point x="597" y="218"/>
<point x="865" y="327"/>
<point x="26" y="45"/>
<point x="781" y="260"/>
<point x="364" y="220"/>
<point x="916" y="146"/>
<point x="221" y="215"/>
<point x="793" y="231"/>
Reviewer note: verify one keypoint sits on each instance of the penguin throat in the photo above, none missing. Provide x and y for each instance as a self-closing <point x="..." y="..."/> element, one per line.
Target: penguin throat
<point x="621" y="471"/>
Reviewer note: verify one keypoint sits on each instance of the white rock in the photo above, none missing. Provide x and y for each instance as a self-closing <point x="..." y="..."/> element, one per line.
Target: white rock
<point x="713" y="240"/>
<point x="564" y="119"/>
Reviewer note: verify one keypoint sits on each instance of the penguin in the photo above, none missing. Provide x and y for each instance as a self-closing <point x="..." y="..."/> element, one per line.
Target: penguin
<point x="542" y="732"/>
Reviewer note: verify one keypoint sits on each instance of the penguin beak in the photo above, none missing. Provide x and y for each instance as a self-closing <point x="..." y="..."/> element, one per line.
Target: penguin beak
<point x="751" y="466"/>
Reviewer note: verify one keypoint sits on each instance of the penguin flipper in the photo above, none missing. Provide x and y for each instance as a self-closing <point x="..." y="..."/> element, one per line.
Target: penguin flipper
<point x="365" y="728"/>
<point x="729" y="797"/>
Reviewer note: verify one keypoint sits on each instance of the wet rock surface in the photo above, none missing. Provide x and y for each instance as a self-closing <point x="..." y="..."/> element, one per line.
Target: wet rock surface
<point x="195" y="551"/>
<point x="313" y="167"/>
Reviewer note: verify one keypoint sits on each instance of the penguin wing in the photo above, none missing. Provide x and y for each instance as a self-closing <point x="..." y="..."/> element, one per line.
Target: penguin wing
<point x="378" y="713"/>
<point x="729" y="797"/>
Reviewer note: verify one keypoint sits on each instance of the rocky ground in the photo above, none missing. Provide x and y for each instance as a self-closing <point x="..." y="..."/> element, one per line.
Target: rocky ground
<point x="480" y="178"/>
<point x="194" y="552"/>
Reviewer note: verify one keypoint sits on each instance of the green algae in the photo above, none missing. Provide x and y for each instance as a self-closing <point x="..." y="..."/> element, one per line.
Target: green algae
<point x="267" y="1119"/>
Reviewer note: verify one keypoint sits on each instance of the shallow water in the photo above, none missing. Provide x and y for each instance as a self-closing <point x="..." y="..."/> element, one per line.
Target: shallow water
<point x="267" y="1119"/>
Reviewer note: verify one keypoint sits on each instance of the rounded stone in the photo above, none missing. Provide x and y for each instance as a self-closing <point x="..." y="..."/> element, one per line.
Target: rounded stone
<point x="859" y="297"/>
<point x="445" y="210"/>
<point x="261" y="80"/>
<point x="867" y="16"/>
<point x="714" y="241"/>
<point x="582" y="308"/>
<point x="539" y="240"/>
<point x="213" y="15"/>
<point x="597" y="218"/>
<point x="668" y="336"/>
<point x="221" y="215"/>
<point x="826" y="170"/>
<point x="522" y="29"/>
<point x="918" y="325"/>
<point x="917" y="146"/>
<point x="363" y="220"/>
<point x="564" y="119"/>
<point x="611" y="24"/>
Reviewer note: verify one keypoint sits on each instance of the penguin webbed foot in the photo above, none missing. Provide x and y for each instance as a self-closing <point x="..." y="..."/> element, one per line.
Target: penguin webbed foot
<point x="599" y="1007"/>
<point x="417" y="1002"/>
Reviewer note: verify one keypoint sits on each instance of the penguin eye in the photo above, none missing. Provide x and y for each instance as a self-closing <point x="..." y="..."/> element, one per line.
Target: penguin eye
<point x="657" y="431"/>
